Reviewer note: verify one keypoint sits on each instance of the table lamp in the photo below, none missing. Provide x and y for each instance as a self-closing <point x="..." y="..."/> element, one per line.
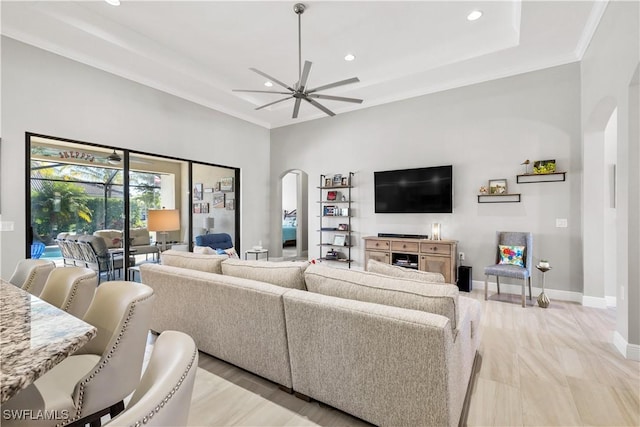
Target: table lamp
<point x="208" y="224"/>
<point x="163" y="221"/>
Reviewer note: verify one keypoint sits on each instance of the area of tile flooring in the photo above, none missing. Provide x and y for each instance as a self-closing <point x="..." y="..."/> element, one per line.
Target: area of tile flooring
<point x="539" y="367"/>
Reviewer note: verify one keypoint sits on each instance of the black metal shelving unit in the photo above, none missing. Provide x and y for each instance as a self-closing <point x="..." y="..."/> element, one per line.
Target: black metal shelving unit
<point x="331" y="212"/>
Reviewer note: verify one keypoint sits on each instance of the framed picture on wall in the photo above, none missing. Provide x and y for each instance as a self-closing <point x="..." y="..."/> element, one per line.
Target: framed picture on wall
<point x="226" y="184"/>
<point x="197" y="191"/>
<point x="218" y="200"/>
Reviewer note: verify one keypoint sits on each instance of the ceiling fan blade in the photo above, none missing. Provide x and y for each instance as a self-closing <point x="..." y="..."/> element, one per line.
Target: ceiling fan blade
<point x="336" y="84"/>
<point x="305" y="75"/>
<point x="284" y="85"/>
<point x="274" y="102"/>
<point x="259" y="91"/>
<point x="335" y="98"/>
<point x="296" y="108"/>
<point x="320" y="106"/>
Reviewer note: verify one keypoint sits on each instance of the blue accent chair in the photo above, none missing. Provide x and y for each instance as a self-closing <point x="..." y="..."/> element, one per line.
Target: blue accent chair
<point x="215" y="240"/>
<point x="506" y="270"/>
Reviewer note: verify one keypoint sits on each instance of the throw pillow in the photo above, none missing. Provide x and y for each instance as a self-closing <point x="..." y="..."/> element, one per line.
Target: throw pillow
<point x="405" y="273"/>
<point x="512" y="255"/>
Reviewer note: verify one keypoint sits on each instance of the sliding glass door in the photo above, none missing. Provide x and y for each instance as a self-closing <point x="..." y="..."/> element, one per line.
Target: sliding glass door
<point x="79" y="189"/>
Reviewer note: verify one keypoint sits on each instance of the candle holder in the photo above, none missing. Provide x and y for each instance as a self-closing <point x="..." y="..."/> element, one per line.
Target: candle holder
<point x="543" y="300"/>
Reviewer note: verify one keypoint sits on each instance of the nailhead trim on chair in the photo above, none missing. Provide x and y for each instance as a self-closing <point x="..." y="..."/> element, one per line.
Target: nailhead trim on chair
<point x="74" y="290"/>
<point x="102" y="365"/>
<point x="27" y="285"/>
<point x="169" y="395"/>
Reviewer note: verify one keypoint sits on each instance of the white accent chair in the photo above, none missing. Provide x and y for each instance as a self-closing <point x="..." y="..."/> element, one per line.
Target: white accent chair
<point x="71" y="289"/>
<point x="163" y="397"/>
<point x="30" y="274"/>
<point x="94" y="381"/>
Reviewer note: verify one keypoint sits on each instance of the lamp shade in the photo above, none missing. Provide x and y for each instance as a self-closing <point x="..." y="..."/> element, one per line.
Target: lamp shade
<point x="163" y="220"/>
<point x="208" y="223"/>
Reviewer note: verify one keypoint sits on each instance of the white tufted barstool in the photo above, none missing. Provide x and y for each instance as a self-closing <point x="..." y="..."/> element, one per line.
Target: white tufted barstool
<point x="71" y="289"/>
<point x="94" y="381"/>
<point x="30" y="274"/>
<point x="163" y="397"/>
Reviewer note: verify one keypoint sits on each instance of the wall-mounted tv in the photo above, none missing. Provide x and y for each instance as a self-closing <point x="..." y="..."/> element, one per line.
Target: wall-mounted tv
<point x="422" y="190"/>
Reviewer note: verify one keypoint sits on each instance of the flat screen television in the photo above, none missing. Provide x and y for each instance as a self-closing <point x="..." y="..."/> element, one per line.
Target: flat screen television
<point x="422" y="190"/>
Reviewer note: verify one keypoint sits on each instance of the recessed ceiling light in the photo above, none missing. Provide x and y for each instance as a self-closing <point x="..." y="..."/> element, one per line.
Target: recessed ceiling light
<point x="268" y="84"/>
<point x="349" y="57"/>
<point x="113" y="2"/>
<point x="476" y="14"/>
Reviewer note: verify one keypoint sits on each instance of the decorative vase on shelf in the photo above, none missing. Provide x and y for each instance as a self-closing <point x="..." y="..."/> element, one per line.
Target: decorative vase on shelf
<point x="544" y="264"/>
<point x="543" y="300"/>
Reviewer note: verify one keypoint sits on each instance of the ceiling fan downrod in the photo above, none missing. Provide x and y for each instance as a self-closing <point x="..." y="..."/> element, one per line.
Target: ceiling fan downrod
<point x="299" y="8"/>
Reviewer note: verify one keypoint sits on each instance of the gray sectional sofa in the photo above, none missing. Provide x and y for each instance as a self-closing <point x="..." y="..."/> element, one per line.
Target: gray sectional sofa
<point x="389" y="350"/>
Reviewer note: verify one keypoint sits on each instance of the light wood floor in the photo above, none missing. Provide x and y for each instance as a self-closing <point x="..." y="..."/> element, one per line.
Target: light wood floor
<point x="542" y="367"/>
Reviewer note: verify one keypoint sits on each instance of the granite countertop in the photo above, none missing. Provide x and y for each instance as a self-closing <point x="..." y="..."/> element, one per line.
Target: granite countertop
<point x="34" y="337"/>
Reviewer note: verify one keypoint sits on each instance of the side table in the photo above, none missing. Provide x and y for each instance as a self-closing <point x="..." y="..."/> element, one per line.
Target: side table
<point x="256" y="253"/>
<point x="543" y="300"/>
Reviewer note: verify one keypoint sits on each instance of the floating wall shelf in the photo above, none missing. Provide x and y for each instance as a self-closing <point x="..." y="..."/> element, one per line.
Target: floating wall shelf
<point x="541" y="177"/>
<point x="499" y="198"/>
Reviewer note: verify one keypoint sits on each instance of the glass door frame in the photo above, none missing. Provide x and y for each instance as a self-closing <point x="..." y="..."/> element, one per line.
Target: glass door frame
<point x="126" y="191"/>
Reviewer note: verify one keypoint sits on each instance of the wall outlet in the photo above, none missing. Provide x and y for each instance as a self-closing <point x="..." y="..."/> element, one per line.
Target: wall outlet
<point x="561" y="222"/>
<point x="461" y="256"/>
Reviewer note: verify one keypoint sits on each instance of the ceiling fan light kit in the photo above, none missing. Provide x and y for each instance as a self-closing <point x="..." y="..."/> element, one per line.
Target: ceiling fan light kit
<point x="114" y="158"/>
<point x="299" y="91"/>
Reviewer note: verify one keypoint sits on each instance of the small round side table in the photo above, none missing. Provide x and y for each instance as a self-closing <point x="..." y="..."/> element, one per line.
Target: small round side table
<point x="543" y="300"/>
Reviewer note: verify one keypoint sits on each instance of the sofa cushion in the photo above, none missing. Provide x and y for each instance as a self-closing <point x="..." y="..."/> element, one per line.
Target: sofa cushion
<point x="201" y="262"/>
<point x="371" y="287"/>
<point x="139" y="237"/>
<point x="286" y="274"/>
<point x="405" y="273"/>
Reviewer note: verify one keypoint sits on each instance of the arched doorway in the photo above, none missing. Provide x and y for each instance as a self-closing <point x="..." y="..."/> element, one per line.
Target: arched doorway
<point x="293" y="209"/>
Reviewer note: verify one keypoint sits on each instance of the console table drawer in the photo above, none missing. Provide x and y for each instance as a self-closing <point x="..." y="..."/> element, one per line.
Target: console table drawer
<point x="404" y="246"/>
<point x="377" y="244"/>
<point x="436" y="248"/>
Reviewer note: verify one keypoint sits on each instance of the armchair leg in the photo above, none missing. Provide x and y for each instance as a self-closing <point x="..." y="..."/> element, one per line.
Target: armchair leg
<point x="524" y="285"/>
<point x="498" y="283"/>
<point x="529" y="288"/>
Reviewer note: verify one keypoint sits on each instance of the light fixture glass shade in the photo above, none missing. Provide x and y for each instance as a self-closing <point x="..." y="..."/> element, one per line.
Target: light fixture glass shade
<point x="435" y="231"/>
<point x="163" y="220"/>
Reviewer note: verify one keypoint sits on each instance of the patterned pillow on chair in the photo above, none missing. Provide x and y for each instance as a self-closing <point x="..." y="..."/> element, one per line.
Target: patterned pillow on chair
<point x="512" y="255"/>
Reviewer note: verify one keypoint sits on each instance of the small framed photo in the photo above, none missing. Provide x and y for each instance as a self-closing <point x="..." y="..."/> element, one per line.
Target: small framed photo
<point x="345" y="181"/>
<point x="226" y="184"/>
<point x="340" y="240"/>
<point x="337" y="179"/>
<point x="497" y="186"/>
<point x="544" y="166"/>
<point x="328" y="182"/>
<point x="343" y="227"/>
<point x="332" y="195"/>
<point x="208" y="190"/>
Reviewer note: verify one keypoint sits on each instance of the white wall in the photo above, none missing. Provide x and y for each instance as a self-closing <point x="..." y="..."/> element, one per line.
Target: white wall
<point x="609" y="211"/>
<point x="45" y="93"/>
<point x="485" y="131"/>
<point x="607" y="71"/>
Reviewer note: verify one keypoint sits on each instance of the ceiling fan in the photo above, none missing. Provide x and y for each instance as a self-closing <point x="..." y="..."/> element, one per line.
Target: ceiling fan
<point x="299" y="90"/>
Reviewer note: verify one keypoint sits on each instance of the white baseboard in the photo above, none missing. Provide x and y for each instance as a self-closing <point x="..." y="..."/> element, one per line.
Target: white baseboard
<point x="611" y="301"/>
<point x="629" y="351"/>
<point x="595" y="302"/>
<point x="517" y="289"/>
